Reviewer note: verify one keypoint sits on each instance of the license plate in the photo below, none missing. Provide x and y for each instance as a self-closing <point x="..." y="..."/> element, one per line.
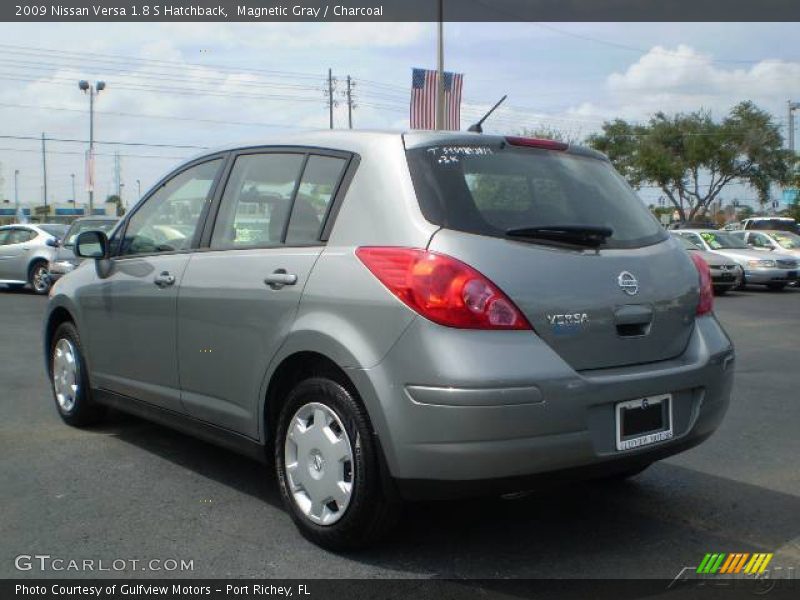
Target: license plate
<point x="644" y="421"/>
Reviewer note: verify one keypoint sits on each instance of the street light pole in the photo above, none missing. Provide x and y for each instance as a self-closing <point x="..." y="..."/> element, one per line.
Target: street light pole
<point x="72" y="175"/>
<point x="92" y="90"/>
<point x="138" y="190"/>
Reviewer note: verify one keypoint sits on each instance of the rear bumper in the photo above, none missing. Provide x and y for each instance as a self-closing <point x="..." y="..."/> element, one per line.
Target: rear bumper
<point x="478" y="408"/>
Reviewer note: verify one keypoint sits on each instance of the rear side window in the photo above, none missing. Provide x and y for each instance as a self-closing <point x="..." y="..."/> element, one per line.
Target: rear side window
<point x="490" y="189"/>
<point x="276" y="198"/>
<point x="257" y="200"/>
<point x="317" y="188"/>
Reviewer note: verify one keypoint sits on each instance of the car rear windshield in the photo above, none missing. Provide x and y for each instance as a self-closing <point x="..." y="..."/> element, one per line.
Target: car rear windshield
<point x="779" y="224"/>
<point x="54" y="229"/>
<point x="493" y="188"/>
<point x="79" y="227"/>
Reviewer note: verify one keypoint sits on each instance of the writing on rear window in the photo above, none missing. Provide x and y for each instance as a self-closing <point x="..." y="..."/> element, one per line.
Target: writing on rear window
<point x="451" y="154"/>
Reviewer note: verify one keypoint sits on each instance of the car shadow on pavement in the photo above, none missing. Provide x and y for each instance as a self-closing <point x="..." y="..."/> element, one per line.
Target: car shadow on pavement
<point x="670" y="513"/>
<point x="229" y="468"/>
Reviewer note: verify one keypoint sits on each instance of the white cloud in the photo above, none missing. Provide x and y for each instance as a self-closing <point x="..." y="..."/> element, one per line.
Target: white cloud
<point x="682" y="79"/>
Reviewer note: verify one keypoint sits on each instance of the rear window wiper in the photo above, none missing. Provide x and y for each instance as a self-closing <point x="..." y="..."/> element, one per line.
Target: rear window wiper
<point x="590" y="236"/>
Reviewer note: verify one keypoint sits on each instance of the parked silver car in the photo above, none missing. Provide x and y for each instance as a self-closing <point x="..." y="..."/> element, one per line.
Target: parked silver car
<point x="64" y="260"/>
<point x="780" y="242"/>
<point x="726" y="274"/>
<point x="25" y="251"/>
<point x="775" y="271"/>
<point x="397" y="316"/>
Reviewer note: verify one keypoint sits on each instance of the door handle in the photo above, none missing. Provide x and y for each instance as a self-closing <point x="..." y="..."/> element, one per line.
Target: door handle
<point x="280" y="278"/>
<point x="165" y="279"/>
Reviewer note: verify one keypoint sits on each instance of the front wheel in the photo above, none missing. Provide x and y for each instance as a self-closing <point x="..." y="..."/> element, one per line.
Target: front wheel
<point x="70" y="380"/>
<point x="328" y="468"/>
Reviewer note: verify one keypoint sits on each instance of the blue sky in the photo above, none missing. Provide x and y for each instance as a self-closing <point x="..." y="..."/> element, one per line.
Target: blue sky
<point x="206" y="84"/>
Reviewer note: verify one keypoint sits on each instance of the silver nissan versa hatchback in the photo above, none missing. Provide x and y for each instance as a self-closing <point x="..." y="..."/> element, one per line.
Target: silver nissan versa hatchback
<point x="394" y="317"/>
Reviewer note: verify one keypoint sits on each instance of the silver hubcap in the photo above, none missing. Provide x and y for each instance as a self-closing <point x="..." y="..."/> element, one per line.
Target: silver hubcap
<point x="318" y="458"/>
<point x="41" y="279"/>
<point x="65" y="374"/>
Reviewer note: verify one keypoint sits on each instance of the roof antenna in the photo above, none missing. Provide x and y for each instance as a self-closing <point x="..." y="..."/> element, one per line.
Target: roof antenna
<point x="477" y="127"/>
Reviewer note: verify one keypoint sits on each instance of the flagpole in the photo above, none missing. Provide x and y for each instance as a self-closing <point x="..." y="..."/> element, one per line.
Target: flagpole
<point x="440" y="71"/>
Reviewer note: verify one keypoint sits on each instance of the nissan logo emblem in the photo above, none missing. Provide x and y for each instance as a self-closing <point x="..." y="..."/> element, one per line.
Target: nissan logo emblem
<point x="628" y="283"/>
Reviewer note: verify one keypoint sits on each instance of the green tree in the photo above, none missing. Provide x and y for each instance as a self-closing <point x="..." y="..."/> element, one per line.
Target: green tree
<point x="680" y="153"/>
<point x="548" y="132"/>
<point x="114" y="199"/>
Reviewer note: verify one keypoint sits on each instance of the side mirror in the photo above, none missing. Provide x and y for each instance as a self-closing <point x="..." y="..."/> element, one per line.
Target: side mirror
<point x="91" y="244"/>
<point x="52" y="242"/>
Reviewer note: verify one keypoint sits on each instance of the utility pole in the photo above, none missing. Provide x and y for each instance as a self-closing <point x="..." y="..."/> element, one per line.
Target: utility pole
<point x="16" y="191"/>
<point x="330" y="97"/>
<point x="349" y="102"/>
<point x="439" y="123"/>
<point x="44" y="174"/>
<point x="793" y="106"/>
<point x="72" y="175"/>
<point x="92" y="90"/>
<point x="138" y="190"/>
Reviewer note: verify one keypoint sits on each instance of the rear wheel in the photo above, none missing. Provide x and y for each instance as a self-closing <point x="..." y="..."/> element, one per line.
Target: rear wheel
<point x="70" y="380"/>
<point x="39" y="278"/>
<point x="328" y="468"/>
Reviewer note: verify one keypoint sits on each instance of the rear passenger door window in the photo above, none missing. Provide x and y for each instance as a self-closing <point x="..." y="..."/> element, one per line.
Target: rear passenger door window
<point x="257" y="200"/>
<point x="20" y="236"/>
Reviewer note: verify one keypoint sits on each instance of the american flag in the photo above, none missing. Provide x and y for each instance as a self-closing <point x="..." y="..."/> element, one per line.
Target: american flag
<point x="423" y="99"/>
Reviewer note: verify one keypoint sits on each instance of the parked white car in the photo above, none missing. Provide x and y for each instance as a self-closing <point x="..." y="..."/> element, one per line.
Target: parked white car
<point x="775" y="271"/>
<point x="25" y="252"/>
<point x="783" y="242"/>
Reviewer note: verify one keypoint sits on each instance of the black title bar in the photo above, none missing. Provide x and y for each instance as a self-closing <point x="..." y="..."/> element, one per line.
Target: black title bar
<point x="64" y="11"/>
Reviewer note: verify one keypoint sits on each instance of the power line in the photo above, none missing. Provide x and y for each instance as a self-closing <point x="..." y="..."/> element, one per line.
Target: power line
<point x="151" y="116"/>
<point x="71" y="153"/>
<point x="80" y="141"/>
<point x="117" y="58"/>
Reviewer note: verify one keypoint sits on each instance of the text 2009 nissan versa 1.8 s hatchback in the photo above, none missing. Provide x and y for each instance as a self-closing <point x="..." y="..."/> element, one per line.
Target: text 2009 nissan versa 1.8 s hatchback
<point x="395" y="316"/>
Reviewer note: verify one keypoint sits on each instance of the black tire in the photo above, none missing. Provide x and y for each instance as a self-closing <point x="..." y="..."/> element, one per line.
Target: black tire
<point x="776" y="287"/>
<point x="37" y="272"/>
<point x="369" y="514"/>
<point x="84" y="411"/>
<point x="721" y="290"/>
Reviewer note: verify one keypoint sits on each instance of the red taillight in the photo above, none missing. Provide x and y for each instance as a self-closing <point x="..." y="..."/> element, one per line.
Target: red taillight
<point x="442" y="289"/>
<point x="537" y="143"/>
<point x="706" y="303"/>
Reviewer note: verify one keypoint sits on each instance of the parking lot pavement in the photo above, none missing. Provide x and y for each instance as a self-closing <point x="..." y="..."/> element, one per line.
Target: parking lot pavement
<point x="134" y="490"/>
